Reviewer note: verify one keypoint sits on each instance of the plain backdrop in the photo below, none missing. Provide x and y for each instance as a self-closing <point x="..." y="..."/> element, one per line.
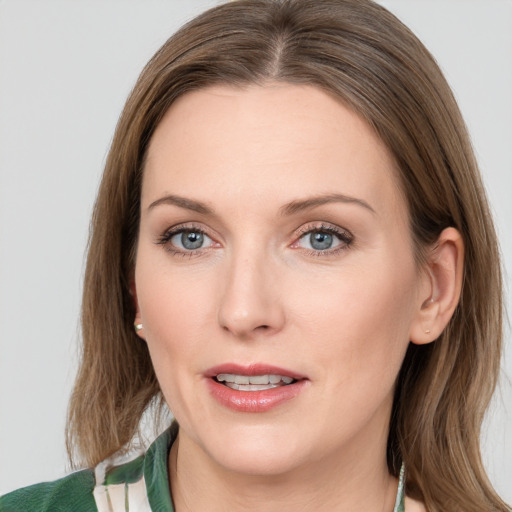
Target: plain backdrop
<point x="66" y="68"/>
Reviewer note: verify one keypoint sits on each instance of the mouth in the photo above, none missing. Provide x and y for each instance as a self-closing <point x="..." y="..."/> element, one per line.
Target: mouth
<point x="254" y="388"/>
<point x="253" y="382"/>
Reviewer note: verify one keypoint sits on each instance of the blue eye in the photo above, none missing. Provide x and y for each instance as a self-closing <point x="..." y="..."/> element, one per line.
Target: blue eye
<point x="190" y="240"/>
<point x="321" y="241"/>
<point x="324" y="240"/>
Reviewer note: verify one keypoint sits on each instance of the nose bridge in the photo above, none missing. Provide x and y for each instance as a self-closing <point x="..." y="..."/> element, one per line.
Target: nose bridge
<point x="249" y="302"/>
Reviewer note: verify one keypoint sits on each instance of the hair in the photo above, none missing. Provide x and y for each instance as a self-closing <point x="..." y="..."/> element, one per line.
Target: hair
<point x="365" y="57"/>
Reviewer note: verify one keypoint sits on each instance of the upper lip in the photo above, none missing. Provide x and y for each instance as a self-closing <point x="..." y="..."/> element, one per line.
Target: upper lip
<point x="252" y="369"/>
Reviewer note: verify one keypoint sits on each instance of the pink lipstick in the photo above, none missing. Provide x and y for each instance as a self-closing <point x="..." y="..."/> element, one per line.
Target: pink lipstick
<point x="253" y="388"/>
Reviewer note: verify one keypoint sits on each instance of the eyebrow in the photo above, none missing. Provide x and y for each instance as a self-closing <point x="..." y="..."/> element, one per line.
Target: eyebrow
<point x="288" y="209"/>
<point x="309" y="203"/>
<point x="183" y="202"/>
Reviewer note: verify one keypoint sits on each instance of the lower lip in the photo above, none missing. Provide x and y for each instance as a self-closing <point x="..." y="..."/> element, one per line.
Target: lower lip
<point x="253" y="401"/>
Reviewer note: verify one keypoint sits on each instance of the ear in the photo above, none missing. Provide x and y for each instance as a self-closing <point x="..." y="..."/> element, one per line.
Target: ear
<point x="441" y="288"/>
<point x="138" y="318"/>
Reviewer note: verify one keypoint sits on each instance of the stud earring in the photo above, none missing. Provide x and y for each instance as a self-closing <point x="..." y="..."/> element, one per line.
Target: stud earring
<point x="426" y="332"/>
<point x="138" y="327"/>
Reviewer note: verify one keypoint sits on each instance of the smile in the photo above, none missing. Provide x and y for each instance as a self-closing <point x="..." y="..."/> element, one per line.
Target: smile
<point x="255" y="388"/>
<point x="253" y="382"/>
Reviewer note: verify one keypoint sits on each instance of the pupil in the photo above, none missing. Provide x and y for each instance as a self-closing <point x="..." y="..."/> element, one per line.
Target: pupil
<point x="192" y="239"/>
<point x="320" y="241"/>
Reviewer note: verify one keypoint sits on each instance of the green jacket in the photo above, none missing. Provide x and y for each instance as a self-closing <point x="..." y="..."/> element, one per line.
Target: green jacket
<point x="140" y="485"/>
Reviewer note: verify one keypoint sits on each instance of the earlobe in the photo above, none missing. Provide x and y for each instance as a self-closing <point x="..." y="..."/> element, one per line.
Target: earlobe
<point x="137" y="323"/>
<point x="443" y="278"/>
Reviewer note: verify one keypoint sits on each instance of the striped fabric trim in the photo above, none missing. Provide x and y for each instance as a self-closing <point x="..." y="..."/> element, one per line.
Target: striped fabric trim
<point x="127" y="496"/>
<point x="400" y="494"/>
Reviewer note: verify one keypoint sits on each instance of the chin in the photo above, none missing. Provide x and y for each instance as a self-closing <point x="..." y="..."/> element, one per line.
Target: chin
<point x="264" y="463"/>
<point x="256" y="451"/>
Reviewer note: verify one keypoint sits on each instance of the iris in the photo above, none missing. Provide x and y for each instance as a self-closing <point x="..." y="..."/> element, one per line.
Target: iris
<point x="192" y="239"/>
<point x="320" y="241"/>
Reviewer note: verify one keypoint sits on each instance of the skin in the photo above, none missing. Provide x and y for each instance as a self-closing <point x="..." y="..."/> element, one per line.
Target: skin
<point x="258" y="292"/>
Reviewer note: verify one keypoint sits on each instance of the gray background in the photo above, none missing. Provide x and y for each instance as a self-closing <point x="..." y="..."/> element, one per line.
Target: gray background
<point x="66" y="68"/>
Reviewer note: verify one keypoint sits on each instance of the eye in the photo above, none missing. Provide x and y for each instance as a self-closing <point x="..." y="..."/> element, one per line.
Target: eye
<point x="320" y="241"/>
<point x="190" y="240"/>
<point x="186" y="240"/>
<point x="325" y="239"/>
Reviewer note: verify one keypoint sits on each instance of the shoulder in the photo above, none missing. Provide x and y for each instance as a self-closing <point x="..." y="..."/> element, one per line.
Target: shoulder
<point x="141" y="484"/>
<point x="71" y="493"/>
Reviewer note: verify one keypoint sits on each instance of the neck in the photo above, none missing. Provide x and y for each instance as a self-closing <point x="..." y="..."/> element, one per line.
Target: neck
<point x="352" y="480"/>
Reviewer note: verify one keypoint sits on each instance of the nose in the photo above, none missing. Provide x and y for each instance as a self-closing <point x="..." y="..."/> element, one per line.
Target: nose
<point x="250" y="304"/>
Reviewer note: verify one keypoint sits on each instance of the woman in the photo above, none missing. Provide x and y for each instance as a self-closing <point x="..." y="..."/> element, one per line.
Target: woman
<point x="291" y="247"/>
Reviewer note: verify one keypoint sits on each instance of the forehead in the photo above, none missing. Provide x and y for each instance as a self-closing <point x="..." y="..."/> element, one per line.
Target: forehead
<point x="275" y="140"/>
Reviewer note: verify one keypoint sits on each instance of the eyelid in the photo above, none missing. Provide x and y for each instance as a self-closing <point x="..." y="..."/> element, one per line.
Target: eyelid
<point x="171" y="232"/>
<point x="322" y="226"/>
<point x="344" y="235"/>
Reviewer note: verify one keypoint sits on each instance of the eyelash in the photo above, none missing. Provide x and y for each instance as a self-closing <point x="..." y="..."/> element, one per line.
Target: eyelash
<point x="344" y="236"/>
<point x="165" y="239"/>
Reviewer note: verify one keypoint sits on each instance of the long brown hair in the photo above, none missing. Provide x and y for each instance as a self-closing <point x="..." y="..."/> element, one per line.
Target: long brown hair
<point x="361" y="54"/>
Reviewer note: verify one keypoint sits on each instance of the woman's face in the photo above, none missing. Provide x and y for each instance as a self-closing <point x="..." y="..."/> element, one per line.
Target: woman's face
<point x="274" y="247"/>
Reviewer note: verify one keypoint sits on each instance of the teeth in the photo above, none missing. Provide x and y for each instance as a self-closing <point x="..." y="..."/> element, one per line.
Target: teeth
<point x="250" y="387"/>
<point x="259" y="379"/>
<point x="253" y="382"/>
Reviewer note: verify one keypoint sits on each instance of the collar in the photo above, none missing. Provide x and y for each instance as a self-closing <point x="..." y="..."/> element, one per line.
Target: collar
<point x="144" y="482"/>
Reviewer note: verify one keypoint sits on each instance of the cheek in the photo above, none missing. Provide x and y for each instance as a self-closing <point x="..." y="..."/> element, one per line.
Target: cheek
<point x="172" y="356"/>
<point x="360" y="326"/>
<point x="176" y="310"/>
<point x="172" y="298"/>
<point x="357" y="336"/>
<point x="173" y="312"/>
<point x="374" y="297"/>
